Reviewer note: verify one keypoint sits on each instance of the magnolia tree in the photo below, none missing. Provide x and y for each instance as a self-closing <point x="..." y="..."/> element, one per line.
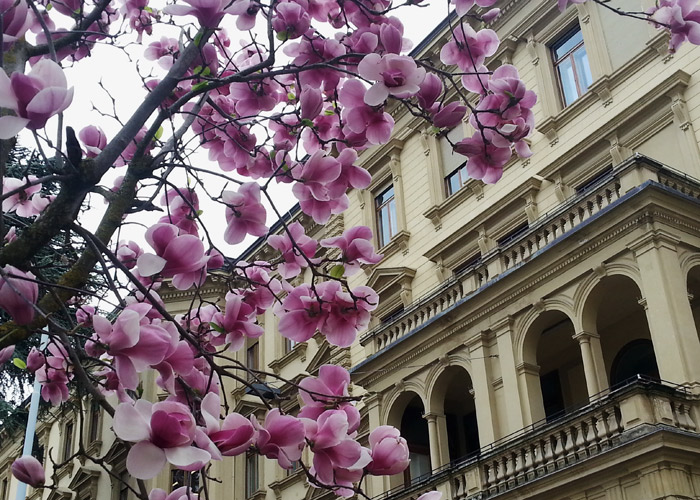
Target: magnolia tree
<point x="293" y="102"/>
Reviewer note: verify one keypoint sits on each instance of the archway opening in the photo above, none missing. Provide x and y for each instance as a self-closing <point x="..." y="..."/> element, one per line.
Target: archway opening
<point x="621" y="323"/>
<point x="562" y="378"/>
<point x="453" y="395"/>
<point x="694" y="295"/>
<point x="407" y="415"/>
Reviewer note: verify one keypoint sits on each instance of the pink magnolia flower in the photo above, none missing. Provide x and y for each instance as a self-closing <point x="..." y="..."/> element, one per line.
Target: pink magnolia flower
<point x="252" y="98"/>
<point x="183" y="209"/>
<point x="485" y="161"/>
<point x="234" y="435"/>
<point x="29" y="470"/>
<point x="356" y="247"/>
<point x="94" y="140"/>
<point x="681" y="17"/>
<point x="389" y="451"/>
<point x="180" y="256"/>
<point x="181" y="493"/>
<point x="27" y="202"/>
<point x="463" y="6"/>
<point x="430" y="90"/>
<point x="6" y="354"/>
<point x="237" y="322"/>
<point x="84" y="315"/>
<point x="207" y="12"/>
<point x="290" y="20"/>
<point x="328" y="390"/>
<point x="17" y="19"/>
<point x="134" y="341"/>
<point x="295" y="247"/>
<point x="450" y="115"/>
<point x="35" y="359"/>
<point x="128" y="253"/>
<point x="310" y="100"/>
<point x="245" y="214"/>
<point x="334" y="448"/>
<point x="394" y="75"/>
<point x="54" y="384"/>
<point x="281" y="437"/>
<point x="34" y="97"/>
<point x="164" y="51"/>
<point x="469" y="50"/>
<point x="374" y="125"/>
<point x="18" y="294"/>
<point x="163" y="432"/>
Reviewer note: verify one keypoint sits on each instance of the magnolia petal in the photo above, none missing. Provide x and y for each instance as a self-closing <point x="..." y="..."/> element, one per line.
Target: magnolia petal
<point x="187" y="457"/>
<point x="376" y="94"/>
<point x="150" y="264"/>
<point x="10" y="126"/>
<point x="145" y="460"/>
<point x="129" y="424"/>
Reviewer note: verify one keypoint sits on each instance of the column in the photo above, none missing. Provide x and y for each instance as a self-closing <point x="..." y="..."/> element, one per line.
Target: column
<point x="670" y="317"/>
<point x="506" y="358"/>
<point x="437" y="435"/>
<point x="376" y="484"/>
<point x="531" y="392"/>
<point x="484" y="399"/>
<point x="589" y="365"/>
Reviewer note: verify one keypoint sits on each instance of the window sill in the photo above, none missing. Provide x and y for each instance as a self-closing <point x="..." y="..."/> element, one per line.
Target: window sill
<point x="437" y="212"/>
<point x="298" y="351"/>
<point x="279" y="486"/>
<point x="398" y="242"/>
<point x="258" y="495"/>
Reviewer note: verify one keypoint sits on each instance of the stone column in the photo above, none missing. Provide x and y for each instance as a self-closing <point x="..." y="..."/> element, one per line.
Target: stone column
<point x="669" y="314"/>
<point x="484" y="400"/>
<point x="531" y="391"/>
<point x="506" y="358"/>
<point x="437" y="435"/>
<point x="589" y="363"/>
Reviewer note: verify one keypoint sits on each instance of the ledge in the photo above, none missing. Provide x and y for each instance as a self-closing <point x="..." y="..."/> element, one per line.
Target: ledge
<point x="298" y="351"/>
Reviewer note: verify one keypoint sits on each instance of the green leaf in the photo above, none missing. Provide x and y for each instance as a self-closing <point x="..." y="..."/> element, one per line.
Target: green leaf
<point x="291" y="96"/>
<point x="199" y="86"/>
<point x="217" y="328"/>
<point x="159" y="133"/>
<point x="148" y="9"/>
<point x="49" y="7"/>
<point x="282" y="36"/>
<point x="198" y="39"/>
<point x="337" y="271"/>
<point x="197" y="70"/>
<point x="19" y="363"/>
<point x="329" y="112"/>
<point x="207" y="71"/>
<point x="307" y="123"/>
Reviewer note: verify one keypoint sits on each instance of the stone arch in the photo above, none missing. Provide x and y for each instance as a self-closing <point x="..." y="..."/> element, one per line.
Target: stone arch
<point x="613" y="316"/>
<point x="455" y="359"/>
<point x="583" y="292"/>
<point x="523" y="327"/>
<point x="691" y="268"/>
<point x="397" y="393"/>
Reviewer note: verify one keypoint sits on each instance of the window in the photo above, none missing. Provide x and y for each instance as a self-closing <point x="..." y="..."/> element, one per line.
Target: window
<point x="251" y="361"/>
<point x="68" y="441"/>
<point x="454" y="166"/>
<point x="94" y="423"/>
<point x="387" y="222"/>
<point x="571" y="64"/>
<point x="288" y="345"/>
<point x="3" y="490"/>
<point x="123" y="485"/>
<point x="180" y="478"/>
<point x="251" y="474"/>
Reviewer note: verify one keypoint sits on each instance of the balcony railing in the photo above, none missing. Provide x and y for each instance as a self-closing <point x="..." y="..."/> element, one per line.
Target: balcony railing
<point x="552" y="226"/>
<point x="544" y="448"/>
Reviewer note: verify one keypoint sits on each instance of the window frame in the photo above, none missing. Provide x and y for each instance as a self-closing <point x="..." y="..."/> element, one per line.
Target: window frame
<point x="252" y="470"/>
<point x="557" y="61"/>
<point x="380" y="207"/>
<point x="68" y="437"/>
<point x="462" y="169"/>
<point x="254" y="349"/>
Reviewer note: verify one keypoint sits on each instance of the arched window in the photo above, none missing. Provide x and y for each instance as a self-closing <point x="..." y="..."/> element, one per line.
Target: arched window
<point x="635" y="358"/>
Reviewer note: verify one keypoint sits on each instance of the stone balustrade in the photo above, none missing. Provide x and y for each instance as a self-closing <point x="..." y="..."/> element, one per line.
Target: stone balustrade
<point x="641" y="407"/>
<point x="554" y="225"/>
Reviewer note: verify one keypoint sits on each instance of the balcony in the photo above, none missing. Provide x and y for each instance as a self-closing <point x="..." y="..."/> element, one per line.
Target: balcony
<point x="639" y="408"/>
<point x="627" y="179"/>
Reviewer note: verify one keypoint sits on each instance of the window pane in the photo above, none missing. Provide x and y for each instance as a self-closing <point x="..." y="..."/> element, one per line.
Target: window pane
<point x="393" y="221"/>
<point x="563" y="47"/>
<point x="583" y="70"/>
<point x="568" y="81"/>
<point x="385" y="196"/>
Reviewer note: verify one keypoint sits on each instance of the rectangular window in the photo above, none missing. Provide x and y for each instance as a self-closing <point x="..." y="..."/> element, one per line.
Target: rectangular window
<point x="68" y="441"/>
<point x="94" y="424"/>
<point x="251" y="474"/>
<point x="289" y="345"/>
<point x="180" y="478"/>
<point x="387" y="222"/>
<point x="3" y="491"/>
<point x="252" y="361"/>
<point x="454" y="166"/>
<point x="456" y="180"/>
<point x="571" y="65"/>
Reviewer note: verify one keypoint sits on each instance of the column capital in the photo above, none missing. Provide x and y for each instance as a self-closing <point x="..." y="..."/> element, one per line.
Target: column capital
<point x="372" y="399"/>
<point x="584" y="336"/>
<point x="432" y="416"/>
<point x="528" y="368"/>
<point x="505" y="323"/>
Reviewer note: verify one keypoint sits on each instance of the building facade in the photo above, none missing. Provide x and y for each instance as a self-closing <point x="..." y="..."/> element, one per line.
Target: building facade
<point x="536" y="338"/>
